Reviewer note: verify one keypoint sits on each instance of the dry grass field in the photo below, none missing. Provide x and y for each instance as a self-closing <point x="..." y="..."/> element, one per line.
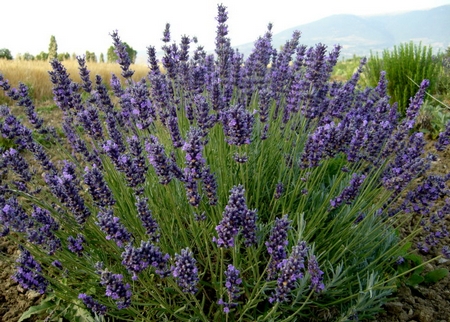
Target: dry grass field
<point x="35" y="75"/>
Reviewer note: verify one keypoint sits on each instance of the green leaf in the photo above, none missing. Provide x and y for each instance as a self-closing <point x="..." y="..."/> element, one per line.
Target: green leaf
<point x="37" y="309"/>
<point x="435" y="275"/>
<point x="417" y="261"/>
<point x="414" y="280"/>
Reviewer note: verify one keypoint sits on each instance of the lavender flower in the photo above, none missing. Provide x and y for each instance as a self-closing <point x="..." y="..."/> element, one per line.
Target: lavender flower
<point x="141" y="105"/>
<point x="240" y="158"/>
<point x="116" y="289"/>
<point x="41" y="230"/>
<point x="92" y="304"/>
<point x="209" y="185"/>
<point x="237" y="125"/>
<point x="101" y="96"/>
<point x="56" y="263"/>
<point x="4" y="83"/>
<point x="290" y="270"/>
<point x="205" y="120"/>
<point x="159" y="160"/>
<point x="113" y="151"/>
<point x="64" y="90"/>
<point x="350" y="192"/>
<point x="29" y="272"/>
<point x="13" y="217"/>
<point x="194" y="154"/>
<point x="191" y="187"/>
<point x="18" y="164"/>
<point x="415" y="104"/>
<point x="279" y="190"/>
<point x="316" y="274"/>
<point x="444" y="139"/>
<point x="112" y="227"/>
<point x="446" y="252"/>
<point x="66" y="188"/>
<point x="149" y="223"/>
<point x="185" y="271"/>
<point x="84" y="74"/>
<point x="98" y="188"/>
<point x="90" y="120"/>
<point x="232" y="283"/>
<point x="249" y="227"/>
<point x="276" y="245"/>
<point x="75" y="245"/>
<point x="122" y="54"/>
<point x="232" y="218"/>
<point x="172" y="124"/>
<point x="25" y="101"/>
<point x="138" y="259"/>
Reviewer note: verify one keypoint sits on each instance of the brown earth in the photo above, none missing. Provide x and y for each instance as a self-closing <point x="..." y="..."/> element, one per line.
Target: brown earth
<point x="422" y="303"/>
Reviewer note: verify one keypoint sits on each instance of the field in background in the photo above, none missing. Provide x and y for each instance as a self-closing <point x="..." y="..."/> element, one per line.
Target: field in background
<point x="35" y="75"/>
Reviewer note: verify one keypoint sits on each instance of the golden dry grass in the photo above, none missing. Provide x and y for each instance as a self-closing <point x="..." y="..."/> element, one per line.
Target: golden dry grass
<point x="35" y="75"/>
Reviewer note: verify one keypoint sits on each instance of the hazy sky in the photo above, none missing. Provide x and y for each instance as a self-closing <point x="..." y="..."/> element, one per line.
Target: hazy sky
<point x="81" y="25"/>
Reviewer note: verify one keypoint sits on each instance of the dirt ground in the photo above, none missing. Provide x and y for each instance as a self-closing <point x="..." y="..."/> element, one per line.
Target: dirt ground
<point x="423" y="303"/>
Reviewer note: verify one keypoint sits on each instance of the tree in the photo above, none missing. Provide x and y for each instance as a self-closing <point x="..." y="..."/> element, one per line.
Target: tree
<point x="52" y="48"/>
<point x="112" y="56"/>
<point x="102" y="58"/>
<point x="27" y="56"/>
<point x="63" y="56"/>
<point x="5" y="54"/>
<point x="42" y="56"/>
<point x="91" y="57"/>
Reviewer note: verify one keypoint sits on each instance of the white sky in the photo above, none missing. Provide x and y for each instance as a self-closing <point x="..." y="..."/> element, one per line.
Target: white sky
<point x="81" y="25"/>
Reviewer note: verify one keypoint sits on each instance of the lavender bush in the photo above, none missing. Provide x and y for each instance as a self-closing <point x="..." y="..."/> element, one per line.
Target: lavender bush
<point x="217" y="188"/>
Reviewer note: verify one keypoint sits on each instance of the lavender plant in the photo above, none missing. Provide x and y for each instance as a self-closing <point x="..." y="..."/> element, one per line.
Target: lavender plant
<point x="220" y="189"/>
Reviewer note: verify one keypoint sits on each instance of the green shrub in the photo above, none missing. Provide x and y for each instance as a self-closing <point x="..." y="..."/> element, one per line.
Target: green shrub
<point x="405" y="66"/>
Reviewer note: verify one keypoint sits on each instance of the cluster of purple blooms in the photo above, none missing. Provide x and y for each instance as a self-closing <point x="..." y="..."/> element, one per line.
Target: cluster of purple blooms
<point x="116" y="289"/>
<point x="216" y="91"/>
<point x="232" y="283"/>
<point x="236" y="217"/>
<point x="185" y="271"/>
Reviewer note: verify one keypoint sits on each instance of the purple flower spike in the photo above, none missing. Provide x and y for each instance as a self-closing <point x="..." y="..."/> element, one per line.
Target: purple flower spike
<point x="158" y="159"/>
<point x="98" y="188"/>
<point x="138" y="259"/>
<point x="18" y="164"/>
<point x="444" y="139"/>
<point x="112" y="227"/>
<point x="290" y="270"/>
<point x="349" y="193"/>
<point x="316" y="275"/>
<point x="29" y="273"/>
<point x="232" y="283"/>
<point x="92" y="304"/>
<point x="249" y="227"/>
<point x="276" y="245"/>
<point x="76" y="244"/>
<point x="279" y="190"/>
<point x="194" y="153"/>
<point x="237" y="125"/>
<point x="233" y="215"/>
<point x="209" y="185"/>
<point x="146" y="216"/>
<point x="116" y="289"/>
<point x="185" y="271"/>
<point x="122" y="54"/>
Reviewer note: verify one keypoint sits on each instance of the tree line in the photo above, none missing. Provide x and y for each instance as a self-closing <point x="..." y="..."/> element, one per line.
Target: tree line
<point x="52" y="53"/>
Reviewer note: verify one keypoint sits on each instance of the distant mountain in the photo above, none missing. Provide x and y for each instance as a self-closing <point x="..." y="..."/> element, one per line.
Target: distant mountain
<point x="358" y="35"/>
